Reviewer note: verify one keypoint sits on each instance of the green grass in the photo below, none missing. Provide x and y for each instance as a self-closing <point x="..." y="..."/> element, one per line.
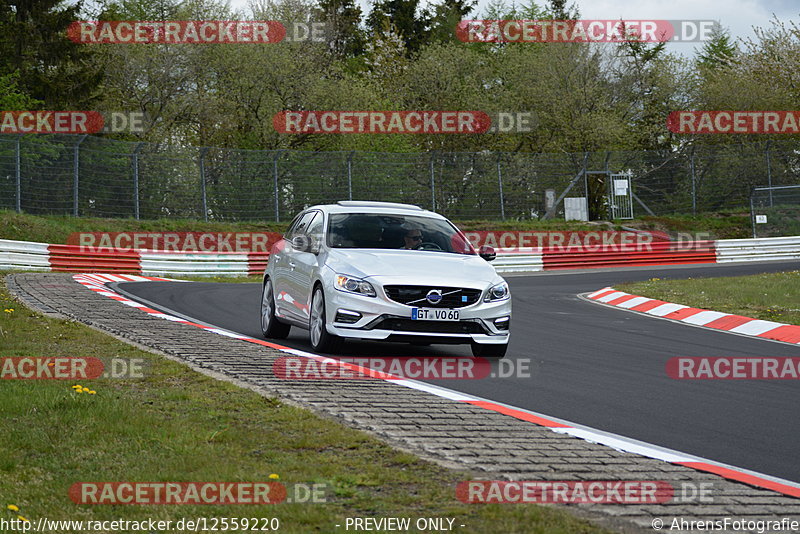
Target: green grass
<point x="57" y="228"/>
<point x="179" y="425"/>
<point x="719" y="225"/>
<point x="771" y="296"/>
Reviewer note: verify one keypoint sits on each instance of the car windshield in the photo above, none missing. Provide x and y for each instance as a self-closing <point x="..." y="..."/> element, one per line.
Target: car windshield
<point x="401" y="232"/>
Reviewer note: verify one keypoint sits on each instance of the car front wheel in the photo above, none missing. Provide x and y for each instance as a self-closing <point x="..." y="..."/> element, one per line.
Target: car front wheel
<point x="270" y="326"/>
<point x="321" y="340"/>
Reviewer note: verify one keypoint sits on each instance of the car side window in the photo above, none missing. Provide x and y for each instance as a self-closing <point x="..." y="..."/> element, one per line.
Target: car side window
<point x="299" y="228"/>
<point x="292" y="226"/>
<point x="314" y="228"/>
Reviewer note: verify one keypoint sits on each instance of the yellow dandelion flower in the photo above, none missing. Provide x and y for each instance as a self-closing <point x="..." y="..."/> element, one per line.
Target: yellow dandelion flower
<point x="273" y="476"/>
<point x="92" y="392"/>
<point x="23" y="519"/>
<point x="85" y="389"/>
<point x="77" y="386"/>
<point x="78" y="390"/>
<point x="13" y="507"/>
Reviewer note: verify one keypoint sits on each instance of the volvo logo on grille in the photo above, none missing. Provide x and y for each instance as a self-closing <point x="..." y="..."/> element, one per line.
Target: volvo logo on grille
<point x="434" y="296"/>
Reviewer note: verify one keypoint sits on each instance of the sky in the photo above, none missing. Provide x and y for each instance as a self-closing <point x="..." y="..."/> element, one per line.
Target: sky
<point x="738" y="16"/>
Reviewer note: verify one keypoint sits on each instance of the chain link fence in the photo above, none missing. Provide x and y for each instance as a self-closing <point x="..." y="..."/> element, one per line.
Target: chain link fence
<point x="775" y="211"/>
<point x="101" y="177"/>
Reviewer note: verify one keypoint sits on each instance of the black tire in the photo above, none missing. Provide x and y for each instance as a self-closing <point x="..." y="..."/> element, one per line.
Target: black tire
<point x="489" y="351"/>
<point x="271" y="327"/>
<point x="321" y="340"/>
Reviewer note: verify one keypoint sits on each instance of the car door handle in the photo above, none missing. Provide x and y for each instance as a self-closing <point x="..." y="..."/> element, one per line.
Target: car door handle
<point x="291" y="265"/>
<point x="277" y="257"/>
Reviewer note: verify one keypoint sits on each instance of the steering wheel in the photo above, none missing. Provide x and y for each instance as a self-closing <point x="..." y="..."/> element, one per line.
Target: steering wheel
<point x="429" y="245"/>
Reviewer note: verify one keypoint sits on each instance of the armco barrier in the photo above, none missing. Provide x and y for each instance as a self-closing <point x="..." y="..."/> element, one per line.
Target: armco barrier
<point x="764" y="249"/>
<point x="522" y="260"/>
<point x="73" y="258"/>
<point x="630" y="255"/>
<point x="24" y="255"/>
<point x="202" y="263"/>
<point x="70" y="258"/>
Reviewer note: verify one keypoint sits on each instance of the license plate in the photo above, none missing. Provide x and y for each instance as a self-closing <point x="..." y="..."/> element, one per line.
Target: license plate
<point x="432" y="314"/>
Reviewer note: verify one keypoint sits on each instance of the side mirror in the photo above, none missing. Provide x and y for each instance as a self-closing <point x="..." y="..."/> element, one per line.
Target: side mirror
<point x="487" y="253"/>
<point x="304" y="243"/>
<point x="301" y="243"/>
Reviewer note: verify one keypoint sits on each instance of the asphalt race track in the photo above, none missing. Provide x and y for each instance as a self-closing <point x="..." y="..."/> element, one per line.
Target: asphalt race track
<point x="590" y="364"/>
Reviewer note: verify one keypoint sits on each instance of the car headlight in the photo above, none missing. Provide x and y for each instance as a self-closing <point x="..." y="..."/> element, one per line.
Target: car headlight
<point x="497" y="292"/>
<point x="354" y="285"/>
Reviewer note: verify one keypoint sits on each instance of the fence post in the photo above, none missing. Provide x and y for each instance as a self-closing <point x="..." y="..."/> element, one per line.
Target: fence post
<point x="752" y="213"/>
<point x="75" y="175"/>
<point x="694" y="183"/>
<point x="275" y="185"/>
<point x="18" y="173"/>
<point x="135" y="163"/>
<point x="203" y="151"/>
<point x="500" y="186"/>
<point x="350" y="175"/>
<point x="433" y="182"/>
<point x="769" y="171"/>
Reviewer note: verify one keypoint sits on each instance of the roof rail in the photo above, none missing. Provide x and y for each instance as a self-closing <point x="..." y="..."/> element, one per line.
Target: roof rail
<point x="374" y="204"/>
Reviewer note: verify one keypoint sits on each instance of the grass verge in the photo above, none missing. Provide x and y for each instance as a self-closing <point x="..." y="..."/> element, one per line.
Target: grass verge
<point x="57" y="228"/>
<point x="179" y="425"/>
<point x="769" y="296"/>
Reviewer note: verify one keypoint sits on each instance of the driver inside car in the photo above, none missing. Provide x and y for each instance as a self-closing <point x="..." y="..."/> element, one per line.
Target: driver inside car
<point x="412" y="239"/>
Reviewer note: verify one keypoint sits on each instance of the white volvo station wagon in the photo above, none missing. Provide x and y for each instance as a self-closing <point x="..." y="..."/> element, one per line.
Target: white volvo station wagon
<point x="386" y="272"/>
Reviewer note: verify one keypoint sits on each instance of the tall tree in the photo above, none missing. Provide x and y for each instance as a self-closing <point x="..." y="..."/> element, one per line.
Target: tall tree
<point x="719" y="51"/>
<point x="403" y="17"/>
<point x="343" y="26"/>
<point x="51" y="68"/>
<point x="446" y="15"/>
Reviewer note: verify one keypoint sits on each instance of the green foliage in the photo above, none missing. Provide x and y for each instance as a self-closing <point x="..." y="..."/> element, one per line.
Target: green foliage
<point x="50" y="67"/>
<point x="717" y="52"/>
<point x="399" y="56"/>
<point x="405" y="18"/>
<point x="11" y="96"/>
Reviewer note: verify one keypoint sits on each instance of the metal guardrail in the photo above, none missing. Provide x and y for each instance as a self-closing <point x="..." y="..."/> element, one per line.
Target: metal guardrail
<point x="763" y="249"/>
<point x="69" y="258"/>
<point x="24" y="255"/>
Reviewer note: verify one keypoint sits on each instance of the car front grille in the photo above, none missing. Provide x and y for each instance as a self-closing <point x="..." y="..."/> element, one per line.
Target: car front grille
<point x="452" y="297"/>
<point x="432" y="327"/>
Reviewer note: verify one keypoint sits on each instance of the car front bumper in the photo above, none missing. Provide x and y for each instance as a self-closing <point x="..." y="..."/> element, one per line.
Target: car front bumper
<point x="476" y="322"/>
